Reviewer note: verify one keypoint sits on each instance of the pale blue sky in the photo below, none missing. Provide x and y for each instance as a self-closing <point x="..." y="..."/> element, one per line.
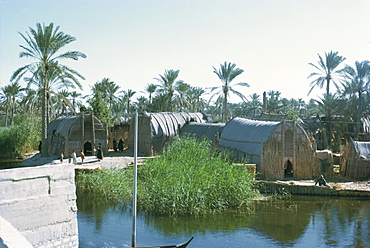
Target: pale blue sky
<point x="132" y="42"/>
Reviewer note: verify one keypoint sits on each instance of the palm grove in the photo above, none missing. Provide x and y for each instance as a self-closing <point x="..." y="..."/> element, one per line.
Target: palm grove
<point x="51" y="92"/>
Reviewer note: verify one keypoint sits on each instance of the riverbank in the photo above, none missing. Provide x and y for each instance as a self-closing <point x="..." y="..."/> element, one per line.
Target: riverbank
<point x="308" y="187"/>
<point x="338" y="187"/>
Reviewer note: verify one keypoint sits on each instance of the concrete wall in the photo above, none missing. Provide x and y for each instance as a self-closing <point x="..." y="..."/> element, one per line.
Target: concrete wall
<point x="40" y="202"/>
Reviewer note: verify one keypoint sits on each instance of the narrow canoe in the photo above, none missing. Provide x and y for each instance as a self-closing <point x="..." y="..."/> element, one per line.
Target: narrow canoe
<point x="183" y="245"/>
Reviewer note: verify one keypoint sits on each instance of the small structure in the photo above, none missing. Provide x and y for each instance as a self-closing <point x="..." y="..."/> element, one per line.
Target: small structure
<point x="156" y="130"/>
<point x="79" y="132"/>
<point x="210" y="131"/>
<point x="279" y="149"/>
<point x="355" y="161"/>
<point x="119" y="130"/>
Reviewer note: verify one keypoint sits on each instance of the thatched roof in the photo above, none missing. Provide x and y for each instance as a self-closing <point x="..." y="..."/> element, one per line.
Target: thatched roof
<point x="246" y="135"/>
<point x="168" y="124"/>
<point x="208" y="130"/>
<point x="362" y="148"/>
<point x="62" y="125"/>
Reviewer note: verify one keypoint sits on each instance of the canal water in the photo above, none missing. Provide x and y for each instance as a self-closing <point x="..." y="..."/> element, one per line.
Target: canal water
<point x="301" y="221"/>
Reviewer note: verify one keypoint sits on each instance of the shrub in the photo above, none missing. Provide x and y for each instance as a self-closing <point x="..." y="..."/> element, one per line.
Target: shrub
<point x="18" y="139"/>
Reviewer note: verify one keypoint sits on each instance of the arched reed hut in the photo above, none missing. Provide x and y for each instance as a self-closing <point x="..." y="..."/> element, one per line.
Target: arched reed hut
<point x="156" y="130"/>
<point x="119" y="130"/>
<point x="79" y="132"/>
<point x="279" y="149"/>
<point x="210" y="131"/>
<point x="355" y="161"/>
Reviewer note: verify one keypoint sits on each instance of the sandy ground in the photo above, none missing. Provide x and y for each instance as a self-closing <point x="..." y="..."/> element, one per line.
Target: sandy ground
<point x="110" y="160"/>
<point x="335" y="183"/>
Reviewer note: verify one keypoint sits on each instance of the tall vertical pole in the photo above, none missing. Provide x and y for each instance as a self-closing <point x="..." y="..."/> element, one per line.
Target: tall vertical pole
<point x="134" y="198"/>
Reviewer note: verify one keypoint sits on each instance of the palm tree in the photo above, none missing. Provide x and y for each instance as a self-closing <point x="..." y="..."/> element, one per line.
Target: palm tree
<point x="151" y="88"/>
<point x="255" y="103"/>
<point x="44" y="46"/>
<point x="126" y="98"/>
<point x="226" y="74"/>
<point x="181" y="101"/>
<point x="74" y="95"/>
<point x="327" y="71"/>
<point x="62" y="103"/>
<point x="10" y="95"/>
<point x="330" y="105"/>
<point x="194" y="98"/>
<point x="167" y="87"/>
<point x="359" y="80"/>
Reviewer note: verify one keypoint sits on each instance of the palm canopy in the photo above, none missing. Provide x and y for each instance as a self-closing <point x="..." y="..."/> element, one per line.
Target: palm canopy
<point x="326" y="71"/>
<point x="358" y="80"/>
<point x="359" y="76"/>
<point x="168" y="86"/>
<point x="227" y="73"/>
<point x="44" y="45"/>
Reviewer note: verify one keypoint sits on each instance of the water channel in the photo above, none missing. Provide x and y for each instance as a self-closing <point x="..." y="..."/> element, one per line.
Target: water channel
<point x="300" y="221"/>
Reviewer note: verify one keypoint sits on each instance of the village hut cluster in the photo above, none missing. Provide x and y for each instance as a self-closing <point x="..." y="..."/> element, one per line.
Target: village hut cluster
<point x="280" y="149"/>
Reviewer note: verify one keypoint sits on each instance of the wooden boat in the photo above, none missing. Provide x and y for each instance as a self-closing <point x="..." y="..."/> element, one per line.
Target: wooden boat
<point x="183" y="245"/>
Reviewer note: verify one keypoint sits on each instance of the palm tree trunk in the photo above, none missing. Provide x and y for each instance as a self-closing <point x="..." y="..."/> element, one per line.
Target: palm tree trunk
<point x="44" y="148"/>
<point x="359" y="113"/>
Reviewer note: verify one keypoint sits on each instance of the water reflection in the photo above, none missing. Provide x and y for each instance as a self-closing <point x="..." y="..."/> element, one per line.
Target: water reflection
<point x="298" y="222"/>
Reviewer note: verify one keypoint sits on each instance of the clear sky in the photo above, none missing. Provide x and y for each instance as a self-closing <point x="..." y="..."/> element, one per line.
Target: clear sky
<point x="132" y="42"/>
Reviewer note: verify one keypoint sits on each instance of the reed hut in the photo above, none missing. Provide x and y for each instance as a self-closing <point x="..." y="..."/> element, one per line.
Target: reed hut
<point x="279" y="149"/>
<point x="156" y="130"/>
<point x="79" y="132"/>
<point x="209" y="131"/>
<point x="119" y="130"/>
<point x="355" y="162"/>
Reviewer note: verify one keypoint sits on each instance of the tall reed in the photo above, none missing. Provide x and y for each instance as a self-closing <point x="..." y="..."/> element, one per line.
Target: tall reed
<point x="190" y="177"/>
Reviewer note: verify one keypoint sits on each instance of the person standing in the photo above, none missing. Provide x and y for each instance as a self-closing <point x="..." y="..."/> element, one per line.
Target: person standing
<point x="120" y="145"/>
<point x="82" y="154"/>
<point x="74" y="157"/>
<point x="99" y="154"/>
<point x="115" y="145"/>
<point x="61" y="156"/>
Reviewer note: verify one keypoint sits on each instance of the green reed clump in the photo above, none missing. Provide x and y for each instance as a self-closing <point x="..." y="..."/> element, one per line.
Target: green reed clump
<point x="114" y="185"/>
<point x="188" y="178"/>
<point x="191" y="177"/>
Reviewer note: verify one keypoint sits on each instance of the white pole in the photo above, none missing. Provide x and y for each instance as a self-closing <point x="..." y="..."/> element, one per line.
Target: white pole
<point x="133" y="243"/>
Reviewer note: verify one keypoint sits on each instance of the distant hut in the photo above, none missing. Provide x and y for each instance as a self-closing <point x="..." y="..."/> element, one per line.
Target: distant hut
<point x="119" y="130"/>
<point x="79" y="132"/>
<point x="279" y="149"/>
<point x="156" y="130"/>
<point x="355" y="161"/>
<point x="210" y="131"/>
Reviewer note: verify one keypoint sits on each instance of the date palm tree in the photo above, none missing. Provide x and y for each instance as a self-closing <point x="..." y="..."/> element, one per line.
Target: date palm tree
<point x="227" y="73"/>
<point x="44" y="45"/>
<point x="359" y="81"/>
<point x="167" y="87"/>
<point x="327" y="71"/>
<point x="126" y="98"/>
<point x="151" y="88"/>
<point x="10" y="95"/>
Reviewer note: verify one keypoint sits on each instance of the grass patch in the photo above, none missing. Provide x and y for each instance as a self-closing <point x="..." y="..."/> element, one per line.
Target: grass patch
<point x="188" y="178"/>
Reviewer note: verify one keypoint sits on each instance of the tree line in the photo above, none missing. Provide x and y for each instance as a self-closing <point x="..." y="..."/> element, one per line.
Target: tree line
<point x="52" y="90"/>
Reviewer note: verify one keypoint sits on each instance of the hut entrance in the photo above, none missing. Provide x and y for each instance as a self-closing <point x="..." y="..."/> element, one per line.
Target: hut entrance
<point x="288" y="169"/>
<point x="88" y="148"/>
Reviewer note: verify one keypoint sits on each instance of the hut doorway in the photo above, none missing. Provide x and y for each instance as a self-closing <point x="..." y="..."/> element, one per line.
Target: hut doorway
<point x="88" y="148"/>
<point x="288" y="169"/>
